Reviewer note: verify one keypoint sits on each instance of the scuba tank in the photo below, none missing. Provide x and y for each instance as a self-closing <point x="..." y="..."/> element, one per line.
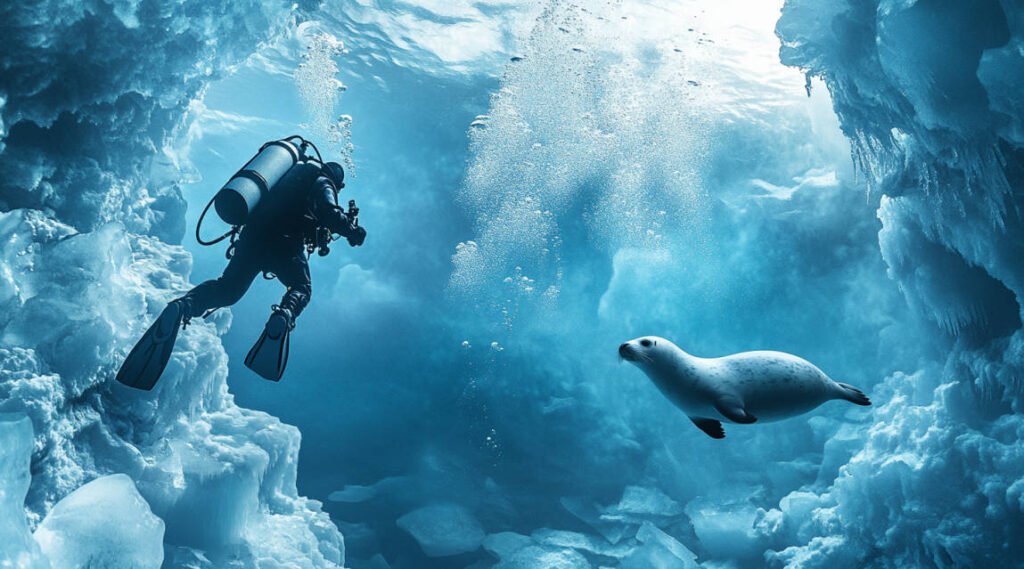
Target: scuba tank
<point x="240" y="197"/>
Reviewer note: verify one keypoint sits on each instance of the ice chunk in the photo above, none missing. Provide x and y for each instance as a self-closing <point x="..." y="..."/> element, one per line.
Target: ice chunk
<point x="294" y="541"/>
<point x="19" y="549"/>
<point x="551" y="548"/>
<point x="219" y="495"/>
<point x="588" y="512"/>
<point x="105" y="523"/>
<point x="724" y="529"/>
<point x="534" y="556"/>
<point x="659" y="551"/>
<point x="1001" y="71"/>
<point x="443" y="529"/>
<point x="506" y="543"/>
<point x="580" y="542"/>
<point x="937" y="132"/>
<point x="641" y="501"/>
<point x="353" y="494"/>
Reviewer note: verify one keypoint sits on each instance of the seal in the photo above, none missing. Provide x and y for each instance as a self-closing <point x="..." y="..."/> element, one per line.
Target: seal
<point x="742" y="388"/>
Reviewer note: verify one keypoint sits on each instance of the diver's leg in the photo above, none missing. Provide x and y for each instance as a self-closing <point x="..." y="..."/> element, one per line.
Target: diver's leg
<point x="147" y="360"/>
<point x="230" y="287"/>
<point x="293" y="272"/>
<point x="269" y="355"/>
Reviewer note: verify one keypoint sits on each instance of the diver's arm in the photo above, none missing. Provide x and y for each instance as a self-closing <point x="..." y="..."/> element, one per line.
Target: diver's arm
<point x="330" y="214"/>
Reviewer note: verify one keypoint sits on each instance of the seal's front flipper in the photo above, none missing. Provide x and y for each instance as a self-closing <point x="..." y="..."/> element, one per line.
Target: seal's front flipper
<point x="147" y="360"/>
<point x="711" y="427"/>
<point x="731" y="408"/>
<point x="269" y="355"/>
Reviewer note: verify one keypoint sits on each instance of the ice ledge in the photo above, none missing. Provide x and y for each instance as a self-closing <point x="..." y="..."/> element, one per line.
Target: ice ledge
<point x="220" y="477"/>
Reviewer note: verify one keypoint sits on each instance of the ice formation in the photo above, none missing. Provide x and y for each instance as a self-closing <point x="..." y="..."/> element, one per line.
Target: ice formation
<point x="631" y="536"/>
<point x="104" y="523"/>
<point x="94" y="99"/>
<point x="443" y="529"/>
<point x="20" y="549"/>
<point x="928" y="93"/>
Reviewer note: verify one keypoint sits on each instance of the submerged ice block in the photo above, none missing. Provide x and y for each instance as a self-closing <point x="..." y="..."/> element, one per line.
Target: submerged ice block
<point x="443" y="529"/>
<point x="658" y="550"/>
<point x="17" y="548"/>
<point x="105" y="523"/>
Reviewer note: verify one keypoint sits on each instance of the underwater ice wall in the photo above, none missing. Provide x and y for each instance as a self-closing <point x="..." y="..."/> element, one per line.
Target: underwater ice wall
<point x="929" y="94"/>
<point x="93" y="97"/>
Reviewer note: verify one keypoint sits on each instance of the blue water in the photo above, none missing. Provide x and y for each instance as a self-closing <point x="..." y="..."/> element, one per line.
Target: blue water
<point x="540" y="182"/>
<point x="381" y="383"/>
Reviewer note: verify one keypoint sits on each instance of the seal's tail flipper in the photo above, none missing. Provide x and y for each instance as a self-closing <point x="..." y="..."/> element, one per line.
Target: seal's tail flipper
<point x="853" y="395"/>
<point x="269" y="355"/>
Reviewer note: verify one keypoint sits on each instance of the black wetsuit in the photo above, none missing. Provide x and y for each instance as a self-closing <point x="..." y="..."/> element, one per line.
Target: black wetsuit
<point x="275" y="242"/>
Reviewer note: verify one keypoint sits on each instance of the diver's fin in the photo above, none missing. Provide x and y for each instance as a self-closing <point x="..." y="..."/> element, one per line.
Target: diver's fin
<point x="269" y="355"/>
<point x="731" y="407"/>
<point x="711" y="427"/>
<point x="147" y="360"/>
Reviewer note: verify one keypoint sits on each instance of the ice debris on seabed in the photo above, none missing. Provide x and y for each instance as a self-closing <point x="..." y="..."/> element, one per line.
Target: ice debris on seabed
<point x="443" y="529"/>
<point x="635" y="533"/>
<point x="640" y="531"/>
<point x="105" y="523"/>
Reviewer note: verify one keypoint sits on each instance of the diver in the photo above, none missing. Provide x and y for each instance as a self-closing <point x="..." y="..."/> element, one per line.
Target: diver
<point x="283" y="205"/>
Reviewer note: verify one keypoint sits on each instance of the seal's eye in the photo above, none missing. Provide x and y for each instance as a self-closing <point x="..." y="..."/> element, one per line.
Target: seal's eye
<point x="646" y="343"/>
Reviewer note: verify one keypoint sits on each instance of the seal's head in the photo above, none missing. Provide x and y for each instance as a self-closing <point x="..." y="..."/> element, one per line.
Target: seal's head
<point x="645" y="351"/>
